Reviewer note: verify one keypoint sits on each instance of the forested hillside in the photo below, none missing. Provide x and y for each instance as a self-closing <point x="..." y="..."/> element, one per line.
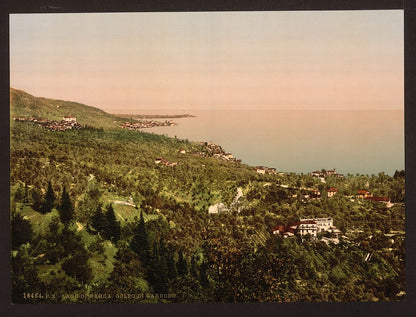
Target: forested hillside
<point x="26" y="105"/>
<point x="96" y="218"/>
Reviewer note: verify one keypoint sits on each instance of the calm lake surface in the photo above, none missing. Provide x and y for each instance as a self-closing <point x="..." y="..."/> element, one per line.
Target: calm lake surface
<point x="365" y="142"/>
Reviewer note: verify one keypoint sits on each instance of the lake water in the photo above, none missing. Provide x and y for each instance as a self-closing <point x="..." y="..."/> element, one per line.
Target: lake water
<point x="365" y="142"/>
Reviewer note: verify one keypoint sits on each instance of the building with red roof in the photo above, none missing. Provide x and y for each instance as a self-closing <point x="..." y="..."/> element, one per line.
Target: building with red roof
<point x="306" y="226"/>
<point x="379" y="199"/>
<point x="363" y="194"/>
<point x="332" y="191"/>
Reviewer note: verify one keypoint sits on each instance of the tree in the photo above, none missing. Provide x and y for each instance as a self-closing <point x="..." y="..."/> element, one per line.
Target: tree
<point x="203" y="278"/>
<point x="77" y="265"/>
<point x="54" y="249"/>
<point x="19" y="194"/>
<point x="167" y="255"/>
<point x="399" y="174"/>
<point x="112" y="230"/>
<point x="24" y="275"/>
<point x="127" y="276"/>
<point x="140" y="242"/>
<point x="157" y="274"/>
<point x="106" y="223"/>
<point x="37" y="201"/>
<point x="193" y="269"/>
<point x="182" y="265"/>
<point x="170" y="262"/>
<point x="91" y="201"/>
<point x="70" y="240"/>
<point x="22" y="231"/>
<point x="49" y="200"/>
<point x="98" y="220"/>
<point x="66" y="211"/>
<point x="26" y="194"/>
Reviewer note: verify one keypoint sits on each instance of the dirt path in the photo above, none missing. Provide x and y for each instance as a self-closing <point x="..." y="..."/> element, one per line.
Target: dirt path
<point x="79" y="226"/>
<point x="125" y="203"/>
<point x="121" y="217"/>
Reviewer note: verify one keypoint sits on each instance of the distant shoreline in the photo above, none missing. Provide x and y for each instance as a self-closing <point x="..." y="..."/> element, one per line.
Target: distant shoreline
<point x="155" y="116"/>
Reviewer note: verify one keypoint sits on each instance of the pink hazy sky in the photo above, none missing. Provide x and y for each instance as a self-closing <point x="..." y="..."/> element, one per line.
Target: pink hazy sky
<point x="212" y="60"/>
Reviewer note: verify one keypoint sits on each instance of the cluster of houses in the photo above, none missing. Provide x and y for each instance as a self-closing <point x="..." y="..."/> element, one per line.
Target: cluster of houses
<point x="324" y="174"/>
<point x="146" y="124"/>
<point x="217" y="152"/>
<point x="165" y="162"/>
<point x="199" y="153"/>
<point x="308" y="226"/>
<point x="67" y="123"/>
<point x="265" y="170"/>
<point x="316" y="193"/>
<point x="160" y="116"/>
<point x="31" y="119"/>
<point x="212" y="148"/>
<point x="361" y="194"/>
<point x="365" y="194"/>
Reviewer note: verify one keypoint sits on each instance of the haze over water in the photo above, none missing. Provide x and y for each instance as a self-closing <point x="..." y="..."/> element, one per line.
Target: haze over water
<point x="329" y="60"/>
<point x="364" y="142"/>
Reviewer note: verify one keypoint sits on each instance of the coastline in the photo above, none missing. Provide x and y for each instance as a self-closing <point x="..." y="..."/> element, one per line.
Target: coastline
<point x="300" y="141"/>
<point x="154" y="116"/>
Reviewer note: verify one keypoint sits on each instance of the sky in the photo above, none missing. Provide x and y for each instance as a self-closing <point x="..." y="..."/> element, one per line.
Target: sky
<point x="125" y="62"/>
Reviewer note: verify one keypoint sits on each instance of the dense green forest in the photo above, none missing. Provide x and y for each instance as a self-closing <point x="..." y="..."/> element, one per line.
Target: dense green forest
<point x="95" y="219"/>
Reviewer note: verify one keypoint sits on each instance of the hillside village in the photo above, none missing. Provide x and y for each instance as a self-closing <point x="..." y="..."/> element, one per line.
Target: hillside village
<point x="143" y="124"/>
<point x="211" y="150"/>
<point x="322" y="174"/>
<point x="265" y="170"/>
<point x="311" y="227"/>
<point x="67" y="123"/>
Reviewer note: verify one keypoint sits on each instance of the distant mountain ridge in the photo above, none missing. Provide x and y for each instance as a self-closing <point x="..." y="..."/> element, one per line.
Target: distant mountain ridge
<point x="23" y="104"/>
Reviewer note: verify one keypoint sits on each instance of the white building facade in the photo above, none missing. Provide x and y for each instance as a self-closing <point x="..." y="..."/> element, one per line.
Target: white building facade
<point x="322" y="224"/>
<point x="308" y="227"/>
<point x="69" y="119"/>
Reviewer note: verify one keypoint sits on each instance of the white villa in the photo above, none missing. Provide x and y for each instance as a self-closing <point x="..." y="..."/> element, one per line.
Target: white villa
<point x="69" y="118"/>
<point x="308" y="227"/>
<point x="322" y="224"/>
